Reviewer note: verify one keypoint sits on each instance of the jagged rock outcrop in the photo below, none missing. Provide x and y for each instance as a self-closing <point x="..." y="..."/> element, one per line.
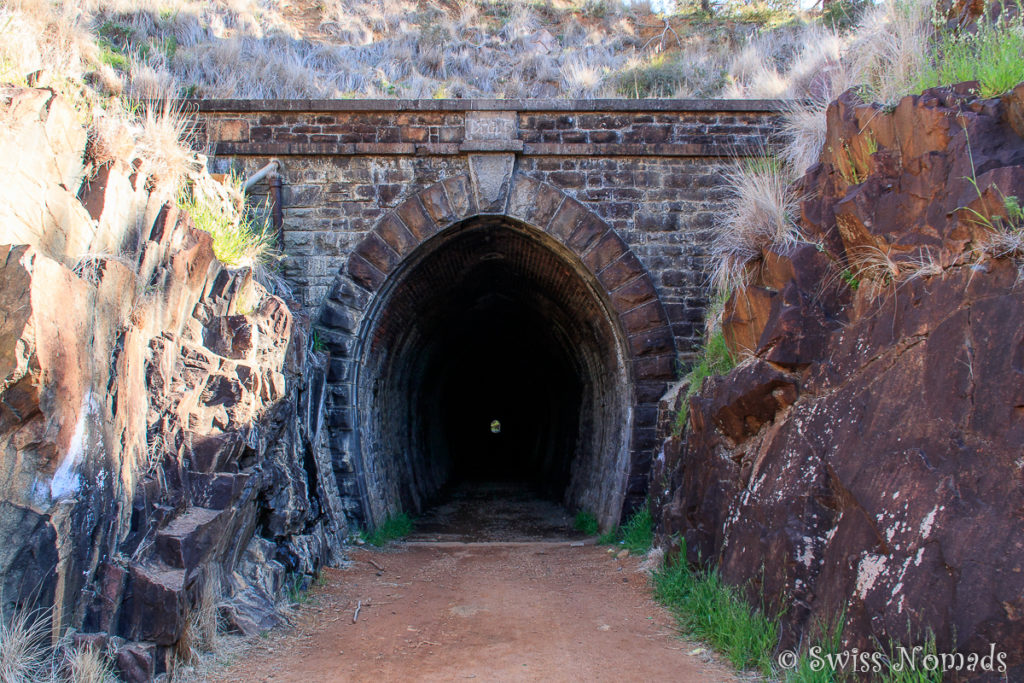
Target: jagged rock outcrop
<point x="160" y="420"/>
<point x="866" y="459"/>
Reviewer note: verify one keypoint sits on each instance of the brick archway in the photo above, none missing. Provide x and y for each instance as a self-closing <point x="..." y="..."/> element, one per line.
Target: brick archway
<point x="620" y="286"/>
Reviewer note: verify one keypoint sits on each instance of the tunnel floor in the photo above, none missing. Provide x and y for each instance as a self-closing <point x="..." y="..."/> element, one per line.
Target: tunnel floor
<point x="479" y="512"/>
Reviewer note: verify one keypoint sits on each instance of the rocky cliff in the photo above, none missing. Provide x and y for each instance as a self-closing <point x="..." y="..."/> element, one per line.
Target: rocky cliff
<point x="160" y="413"/>
<point x="864" y="461"/>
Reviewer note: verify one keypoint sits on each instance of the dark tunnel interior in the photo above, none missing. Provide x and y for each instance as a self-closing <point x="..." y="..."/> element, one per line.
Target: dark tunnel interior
<point x="492" y="360"/>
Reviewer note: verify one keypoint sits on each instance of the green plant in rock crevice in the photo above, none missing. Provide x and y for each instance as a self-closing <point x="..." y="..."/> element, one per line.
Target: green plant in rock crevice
<point x="716" y="359"/>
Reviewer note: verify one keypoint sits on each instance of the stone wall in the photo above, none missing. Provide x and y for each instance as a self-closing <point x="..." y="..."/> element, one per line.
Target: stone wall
<point x="650" y="169"/>
<point x="633" y="188"/>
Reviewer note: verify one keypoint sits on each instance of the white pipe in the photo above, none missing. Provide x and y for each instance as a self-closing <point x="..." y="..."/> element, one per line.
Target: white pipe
<point x="259" y="175"/>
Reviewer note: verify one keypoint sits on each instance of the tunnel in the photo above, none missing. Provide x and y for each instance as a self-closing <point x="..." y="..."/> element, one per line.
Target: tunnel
<point x="491" y="356"/>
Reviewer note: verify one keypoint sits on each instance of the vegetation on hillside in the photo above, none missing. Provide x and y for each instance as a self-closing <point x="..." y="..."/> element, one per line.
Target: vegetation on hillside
<point x="54" y="45"/>
<point x="419" y="48"/>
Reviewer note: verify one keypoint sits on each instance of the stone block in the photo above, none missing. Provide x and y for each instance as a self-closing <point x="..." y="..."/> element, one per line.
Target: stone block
<point x="460" y="197"/>
<point x="420" y="224"/>
<point x="632" y="294"/>
<point x="565" y="221"/>
<point x="608" y="248"/>
<point x="377" y="253"/>
<point x="435" y="201"/>
<point x="364" y="274"/>
<point x="652" y="342"/>
<point x="396" y="235"/>
<point x="625" y="268"/>
<point x="522" y="197"/>
<point x="491" y="175"/>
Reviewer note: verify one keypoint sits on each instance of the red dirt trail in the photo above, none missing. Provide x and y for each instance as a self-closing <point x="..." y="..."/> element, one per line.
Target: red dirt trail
<point x="492" y="611"/>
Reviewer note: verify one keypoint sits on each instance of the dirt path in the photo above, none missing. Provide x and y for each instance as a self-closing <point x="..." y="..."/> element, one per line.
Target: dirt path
<point x="532" y="611"/>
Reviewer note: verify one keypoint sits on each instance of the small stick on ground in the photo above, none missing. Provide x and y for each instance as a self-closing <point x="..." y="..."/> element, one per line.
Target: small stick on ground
<point x="355" y="615"/>
<point x="376" y="566"/>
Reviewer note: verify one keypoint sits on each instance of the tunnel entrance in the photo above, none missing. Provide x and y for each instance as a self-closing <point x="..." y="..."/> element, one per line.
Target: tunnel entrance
<point x="489" y="357"/>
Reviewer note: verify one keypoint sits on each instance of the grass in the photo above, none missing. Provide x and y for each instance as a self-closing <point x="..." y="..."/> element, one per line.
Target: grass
<point x="239" y="240"/>
<point x="758" y="216"/>
<point x="638" y="531"/>
<point x="24" y="646"/>
<point x="716" y="359"/>
<point x="826" y="640"/>
<point x="88" y="665"/>
<point x="586" y="522"/>
<point x="394" y="527"/>
<point x="202" y="627"/>
<point x="992" y="54"/>
<point x="297" y="589"/>
<point x="707" y="608"/>
<point x="636" y="535"/>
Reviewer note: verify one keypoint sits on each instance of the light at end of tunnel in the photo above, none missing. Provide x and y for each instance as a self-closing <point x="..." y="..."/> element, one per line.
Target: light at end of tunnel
<point x="495" y="427"/>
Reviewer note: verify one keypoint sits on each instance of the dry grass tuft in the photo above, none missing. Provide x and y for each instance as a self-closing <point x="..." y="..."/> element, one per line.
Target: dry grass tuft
<point x="890" y="49"/>
<point x="24" y="647"/>
<point x="759" y="215"/>
<point x="201" y="634"/>
<point x="87" y="665"/>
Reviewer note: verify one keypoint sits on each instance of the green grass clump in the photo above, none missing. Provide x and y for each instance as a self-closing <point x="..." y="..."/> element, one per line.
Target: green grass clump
<point x="586" y="522"/>
<point x="636" y="535"/>
<point x="707" y="608"/>
<point x="394" y="527"/>
<point x="993" y="55"/>
<point x="638" y="531"/>
<point x="715" y="360"/>
<point x="664" y="76"/>
<point x="827" y="640"/>
<point x="239" y="240"/>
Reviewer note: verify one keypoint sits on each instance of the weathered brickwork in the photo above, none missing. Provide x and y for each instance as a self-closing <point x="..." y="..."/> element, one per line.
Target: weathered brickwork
<point x="361" y="183"/>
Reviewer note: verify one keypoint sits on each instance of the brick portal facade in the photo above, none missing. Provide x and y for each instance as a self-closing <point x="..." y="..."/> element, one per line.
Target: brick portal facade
<point x="624" y="190"/>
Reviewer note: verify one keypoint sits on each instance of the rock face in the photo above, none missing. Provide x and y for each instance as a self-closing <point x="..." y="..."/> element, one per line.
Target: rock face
<point x="866" y="460"/>
<point x="160" y="429"/>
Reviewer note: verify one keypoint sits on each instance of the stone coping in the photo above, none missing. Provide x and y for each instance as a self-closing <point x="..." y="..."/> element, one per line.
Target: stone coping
<point x="518" y="105"/>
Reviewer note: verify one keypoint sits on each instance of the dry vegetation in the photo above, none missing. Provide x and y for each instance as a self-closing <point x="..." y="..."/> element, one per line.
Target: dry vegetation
<point x="415" y="48"/>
